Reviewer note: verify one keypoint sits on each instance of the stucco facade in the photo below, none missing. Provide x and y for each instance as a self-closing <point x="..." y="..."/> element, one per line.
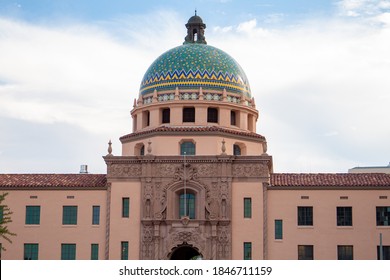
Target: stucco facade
<point x="194" y="180"/>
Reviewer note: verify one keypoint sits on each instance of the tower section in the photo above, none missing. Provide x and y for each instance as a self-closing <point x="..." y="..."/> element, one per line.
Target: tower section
<point x="193" y="159"/>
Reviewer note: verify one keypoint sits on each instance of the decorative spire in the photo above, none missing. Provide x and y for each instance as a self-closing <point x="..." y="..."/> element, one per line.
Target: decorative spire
<point x="109" y="148"/>
<point x="149" y="147"/>
<point x="223" y="147"/>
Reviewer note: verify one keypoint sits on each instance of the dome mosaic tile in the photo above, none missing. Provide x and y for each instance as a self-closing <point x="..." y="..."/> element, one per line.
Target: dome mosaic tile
<point x="192" y="66"/>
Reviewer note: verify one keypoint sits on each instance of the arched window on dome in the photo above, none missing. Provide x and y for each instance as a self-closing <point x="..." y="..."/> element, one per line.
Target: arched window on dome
<point x="239" y="149"/>
<point x="139" y="149"/>
<point x="195" y="35"/>
<point x="236" y="150"/>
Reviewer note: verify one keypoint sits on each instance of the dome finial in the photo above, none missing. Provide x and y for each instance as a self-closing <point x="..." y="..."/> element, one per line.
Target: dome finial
<point x="195" y="30"/>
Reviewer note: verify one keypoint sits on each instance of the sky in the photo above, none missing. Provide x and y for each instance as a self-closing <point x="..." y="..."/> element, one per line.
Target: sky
<point x="319" y="72"/>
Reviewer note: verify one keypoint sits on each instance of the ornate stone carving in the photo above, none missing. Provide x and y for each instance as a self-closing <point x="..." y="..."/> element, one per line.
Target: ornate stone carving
<point x="166" y="169"/>
<point x="124" y="170"/>
<point x="147" y="242"/>
<point x="187" y="173"/>
<point x="224" y="242"/>
<point x="207" y="170"/>
<point x="249" y="170"/>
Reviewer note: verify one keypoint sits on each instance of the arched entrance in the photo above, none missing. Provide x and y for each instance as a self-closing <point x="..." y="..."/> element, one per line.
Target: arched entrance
<point x="185" y="252"/>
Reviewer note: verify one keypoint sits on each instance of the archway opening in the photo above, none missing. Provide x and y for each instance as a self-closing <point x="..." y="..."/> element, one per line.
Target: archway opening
<point x="185" y="252"/>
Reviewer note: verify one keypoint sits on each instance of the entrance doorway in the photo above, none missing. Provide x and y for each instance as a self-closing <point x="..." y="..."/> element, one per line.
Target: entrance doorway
<point x="185" y="252"/>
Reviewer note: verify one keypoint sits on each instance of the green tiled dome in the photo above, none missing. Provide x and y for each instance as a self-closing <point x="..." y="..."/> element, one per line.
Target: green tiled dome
<point x="192" y="66"/>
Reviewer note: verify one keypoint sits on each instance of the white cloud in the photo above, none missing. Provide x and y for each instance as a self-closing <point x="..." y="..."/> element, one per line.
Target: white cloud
<point x="321" y="86"/>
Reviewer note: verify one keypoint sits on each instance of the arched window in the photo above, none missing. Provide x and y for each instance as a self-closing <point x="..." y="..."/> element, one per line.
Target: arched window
<point x="187" y="205"/>
<point x="236" y="150"/>
<point x="187" y="148"/>
<point x="139" y="149"/>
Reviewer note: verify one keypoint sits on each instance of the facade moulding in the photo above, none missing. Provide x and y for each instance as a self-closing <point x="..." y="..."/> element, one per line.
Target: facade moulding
<point x="193" y="131"/>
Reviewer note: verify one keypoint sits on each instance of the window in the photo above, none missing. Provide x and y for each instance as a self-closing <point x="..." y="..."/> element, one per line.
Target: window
<point x="233" y="119"/>
<point x="247" y="207"/>
<point x="94" y="251"/>
<point x="145" y="118"/>
<point x="305" y="216"/>
<point x="1" y="213"/>
<point x="95" y="215"/>
<point x="236" y="150"/>
<point x="212" y="115"/>
<point x="383" y="216"/>
<point x="278" y="229"/>
<point x="68" y="251"/>
<point x="345" y="252"/>
<point x="69" y="215"/>
<point x="125" y="207"/>
<point x="189" y="114"/>
<point x="33" y="215"/>
<point x="344" y="216"/>
<point x="187" y="205"/>
<point x="187" y="148"/>
<point x="166" y="115"/>
<point x="142" y="150"/>
<point x="305" y="252"/>
<point x="386" y="252"/>
<point x="247" y="250"/>
<point x="30" y="251"/>
<point x="124" y="250"/>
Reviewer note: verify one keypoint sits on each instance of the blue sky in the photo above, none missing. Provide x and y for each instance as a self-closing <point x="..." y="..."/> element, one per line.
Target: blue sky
<point x="69" y="71"/>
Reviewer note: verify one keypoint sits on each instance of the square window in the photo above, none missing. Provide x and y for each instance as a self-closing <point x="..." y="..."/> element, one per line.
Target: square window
<point x="212" y="115"/>
<point x="383" y="216"/>
<point x="31" y="251"/>
<point x="189" y="114"/>
<point x="305" y="252"/>
<point x="69" y="215"/>
<point x="33" y="215"/>
<point x="305" y="215"/>
<point x="68" y="251"/>
<point x="385" y="252"/>
<point x="187" y="148"/>
<point x="345" y="252"/>
<point x="344" y="216"/>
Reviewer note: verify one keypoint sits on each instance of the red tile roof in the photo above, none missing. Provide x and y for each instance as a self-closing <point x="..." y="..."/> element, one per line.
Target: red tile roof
<point x="50" y="181"/>
<point x="330" y="180"/>
<point x="99" y="181"/>
<point x="181" y="129"/>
